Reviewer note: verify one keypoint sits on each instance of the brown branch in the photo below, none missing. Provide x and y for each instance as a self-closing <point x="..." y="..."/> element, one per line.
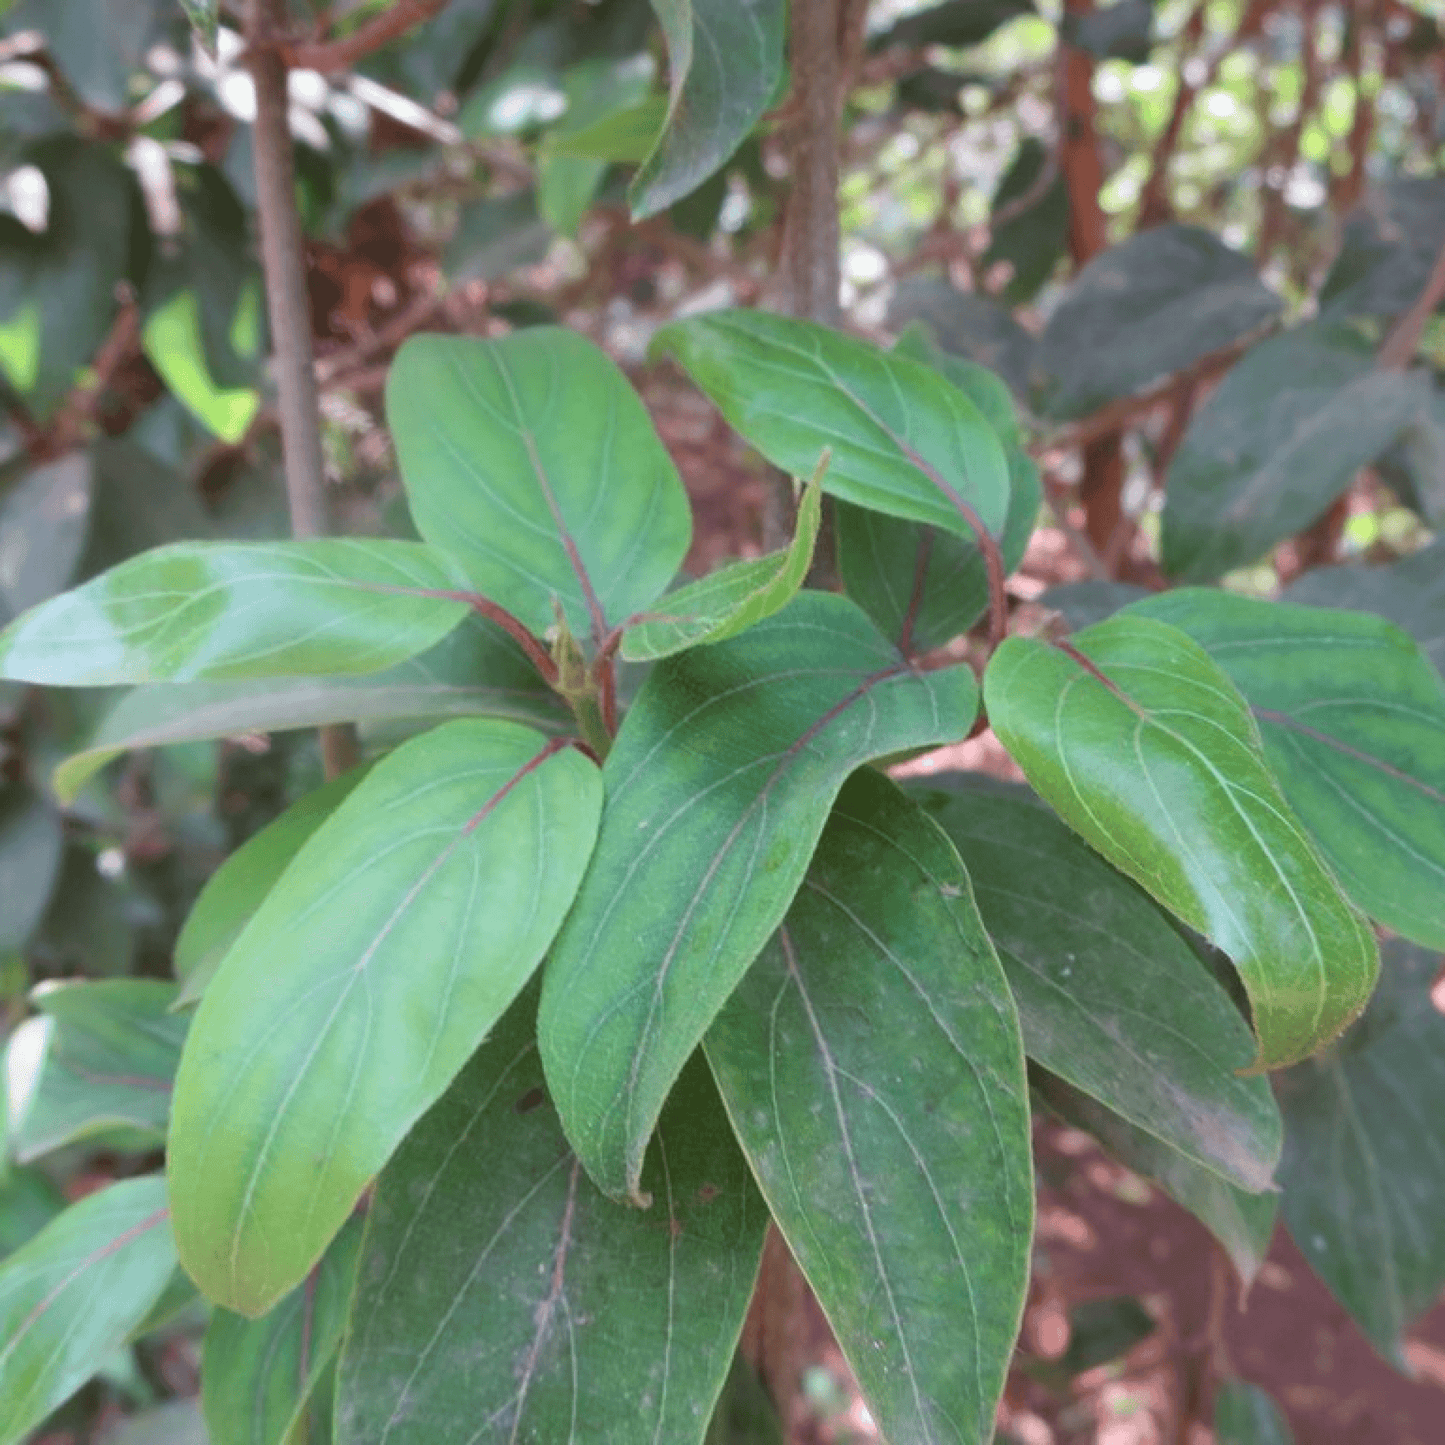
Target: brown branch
<point x="1346" y="189"/>
<point x="1282" y="152"/>
<point x="1404" y="338"/>
<point x="330" y="55"/>
<point x="289" y="307"/>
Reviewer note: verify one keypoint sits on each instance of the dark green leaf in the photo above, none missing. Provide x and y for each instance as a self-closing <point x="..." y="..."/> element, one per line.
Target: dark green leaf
<point x="967" y="324"/>
<point x="239" y="886"/>
<point x="744" y="1414"/>
<point x="1275" y="444"/>
<point x="717" y="788"/>
<point x="476" y="670"/>
<point x="31" y="840"/>
<point x="725" y="62"/>
<point x="502" y="1298"/>
<point x="90" y="922"/>
<point x="496" y="235"/>
<point x="1141" y="311"/>
<point x="141" y="499"/>
<point x="194" y="611"/>
<point x="257" y="1375"/>
<point x="1111" y="997"/>
<point x="1364" y="1157"/>
<point x="733" y="598"/>
<point x="958" y="23"/>
<point x="74" y="1292"/>
<point x="100" y="1055"/>
<point x="533" y="463"/>
<point x="1242" y="1222"/>
<point x="28" y="1202"/>
<point x="43" y="519"/>
<point x="1083" y="603"/>
<point x="1144" y="748"/>
<point x="895" y="1159"/>
<point x="1388" y="248"/>
<point x="1352" y="717"/>
<point x="1032" y="241"/>
<point x="1100" y="1330"/>
<point x="1120" y="31"/>
<point x="904" y="441"/>
<point x="204" y="16"/>
<point x="1410" y="592"/>
<point x="98" y="44"/>
<point x="1246" y="1415"/>
<point x="402" y="929"/>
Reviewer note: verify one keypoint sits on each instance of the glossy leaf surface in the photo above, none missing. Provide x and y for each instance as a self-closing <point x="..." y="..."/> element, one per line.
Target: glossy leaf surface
<point x="257" y="1375"/>
<point x="533" y="462"/>
<point x="1109" y="994"/>
<point x="72" y="1295"/>
<point x="1244" y="1414"/>
<point x="502" y="1298"/>
<point x="409" y="920"/>
<point x="193" y="611"/>
<point x="1241" y="1221"/>
<point x="239" y="886"/>
<point x="1141" y="744"/>
<point x="725" y="62"/>
<point x="475" y="670"/>
<point x="732" y="599"/>
<point x="895" y="1160"/>
<point x="904" y="441"/>
<point x="1364" y="1160"/>
<point x="717" y="788"/>
<point x="100" y="1055"/>
<point x="1353" y="722"/>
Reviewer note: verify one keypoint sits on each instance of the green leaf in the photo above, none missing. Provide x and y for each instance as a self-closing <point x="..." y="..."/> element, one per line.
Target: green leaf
<point x="986" y="389"/>
<point x="31" y="845"/>
<point x="172" y="342"/>
<point x="733" y="598"/>
<point x="97" y="44"/>
<point x="718" y="786"/>
<point x="1364" y="1158"/>
<point x="1121" y="31"/>
<point x="1081" y="604"/>
<point x="204" y="16"/>
<point x="744" y="1415"/>
<point x="257" y="1375"/>
<point x="476" y="669"/>
<point x="239" y="886"/>
<point x="967" y="325"/>
<point x="401" y="931"/>
<point x="904" y="441"/>
<point x="1241" y="1221"/>
<point x="1144" y="748"/>
<point x="931" y="583"/>
<point x="1352" y="717"/>
<point x="1110" y="995"/>
<point x="1387" y="249"/>
<point x="72" y="1295"/>
<point x="1246" y="1415"/>
<point x="958" y="23"/>
<point x="503" y="1298"/>
<point x="1410" y="592"/>
<point x="1278" y="440"/>
<point x="1141" y="311"/>
<point x="725" y="64"/>
<point x="496" y="235"/>
<point x="1100" y="1330"/>
<point x="895" y="1160"/>
<point x="210" y="610"/>
<point x="43" y="521"/>
<point x="533" y="463"/>
<point x="624" y="136"/>
<point x="28" y="1202"/>
<point x="1034" y="240"/>
<point x="100" y="1055"/>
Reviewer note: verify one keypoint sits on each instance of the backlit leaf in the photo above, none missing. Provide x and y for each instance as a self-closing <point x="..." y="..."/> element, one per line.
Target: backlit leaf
<point x="1352" y="717"/>
<point x="401" y="931"/>
<point x="1141" y="744"/>
<point x="193" y="611"/>
<point x="904" y="441"/>
<point x="718" y="786"/>
<point x="502" y="1298"/>
<point x="895" y="1159"/>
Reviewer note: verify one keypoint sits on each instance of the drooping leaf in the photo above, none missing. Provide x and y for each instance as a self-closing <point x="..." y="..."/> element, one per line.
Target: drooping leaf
<point x="1141" y="311"/>
<point x="43" y="518"/>
<point x="533" y="463"/>
<point x="895" y="1160"/>
<point x="1241" y="1221"/>
<point x="239" y="886"/>
<point x="1364" y="1159"/>
<point x="1410" y="592"/>
<point x="99" y="1055"/>
<point x="1279" y="439"/>
<point x="1031" y="241"/>
<point x="1109" y="994"/>
<point x="733" y="598"/>
<point x="904" y="441"/>
<point x="1387" y="249"/>
<point x="724" y="63"/>
<point x="31" y="844"/>
<point x="503" y="1298"/>
<point x="1244" y="1414"/>
<point x="196" y="611"/>
<point x="1352" y="717"/>
<point x="953" y="22"/>
<point x="401" y="931"/>
<point x="475" y="670"/>
<point x="258" y="1375"/>
<point x="718" y="786"/>
<point x="71" y="1296"/>
<point x="1141" y="744"/>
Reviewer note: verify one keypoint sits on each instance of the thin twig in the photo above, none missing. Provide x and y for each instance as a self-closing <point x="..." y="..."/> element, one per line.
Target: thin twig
<point x="330" y="55"/>
<point x="1404" y="338"/>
